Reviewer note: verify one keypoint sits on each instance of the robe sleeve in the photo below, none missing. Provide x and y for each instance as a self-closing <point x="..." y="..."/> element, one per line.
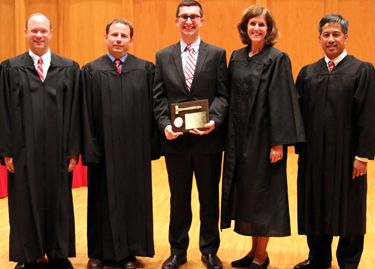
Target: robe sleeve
<point x="92" y="152"/>
<point x="160" y="99"/>
<point x="299" y="86"/>
<point x="219" y="106"/>
<point x="74" y="142"/>
<point x="5" y="116"/>
<point x="365" y="112"/>
<point x="155" y="133"/>
<point x="286" y="126"/>
<point x="229" y="161"/>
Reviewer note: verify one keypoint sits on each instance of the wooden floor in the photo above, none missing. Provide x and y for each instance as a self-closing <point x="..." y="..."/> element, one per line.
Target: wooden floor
<point x="283" y="252"/>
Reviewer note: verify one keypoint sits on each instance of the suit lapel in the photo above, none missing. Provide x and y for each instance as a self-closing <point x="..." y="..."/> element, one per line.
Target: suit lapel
<point x="202" y="55"/>
<point x="178" y="62"/>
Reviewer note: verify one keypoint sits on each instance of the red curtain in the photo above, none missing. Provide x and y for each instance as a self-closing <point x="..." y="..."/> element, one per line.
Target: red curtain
<point x="79" y="178"/>
<point x="3" y="182"/>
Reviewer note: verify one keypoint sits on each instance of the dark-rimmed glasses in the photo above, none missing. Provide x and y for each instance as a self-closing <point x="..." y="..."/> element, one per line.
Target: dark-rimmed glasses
<point x="185" y="17"/>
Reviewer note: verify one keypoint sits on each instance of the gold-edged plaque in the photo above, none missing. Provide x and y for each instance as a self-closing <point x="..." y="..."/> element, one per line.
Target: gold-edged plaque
<point x="195" y="120"/>
<point x="191" y="115"/>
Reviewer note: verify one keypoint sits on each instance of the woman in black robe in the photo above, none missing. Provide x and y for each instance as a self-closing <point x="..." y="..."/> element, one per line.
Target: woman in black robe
<point x="264" y="119"/>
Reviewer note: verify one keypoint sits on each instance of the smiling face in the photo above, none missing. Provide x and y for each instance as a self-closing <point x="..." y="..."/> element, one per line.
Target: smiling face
<point x="118" y="40"/>
<point x="257" y="29"/>
<point x="38" y="34"/>
<point x="189" y="30"/>
<point x="333" y="40"/>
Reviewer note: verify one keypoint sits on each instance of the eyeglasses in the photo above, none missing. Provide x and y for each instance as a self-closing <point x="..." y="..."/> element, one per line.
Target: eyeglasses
<point x="185" y="17"/>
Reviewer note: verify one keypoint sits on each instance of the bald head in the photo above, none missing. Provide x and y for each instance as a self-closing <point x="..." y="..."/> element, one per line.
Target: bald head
<point x="40" y="15"/>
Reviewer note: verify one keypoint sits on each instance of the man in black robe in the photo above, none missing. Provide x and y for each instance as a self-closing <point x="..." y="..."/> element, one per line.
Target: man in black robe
<point x="120" y="139"/>
<point x="39" y="126"/>
<point x="337" y="100"/>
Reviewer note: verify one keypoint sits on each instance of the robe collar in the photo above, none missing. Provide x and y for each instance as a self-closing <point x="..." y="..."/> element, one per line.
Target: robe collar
<point x="46" y="57"/>
<point x="107" y="63"/>
<point x="337" y="60"/>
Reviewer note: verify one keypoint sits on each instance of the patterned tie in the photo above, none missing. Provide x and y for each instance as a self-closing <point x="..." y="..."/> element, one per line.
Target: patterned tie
<point x="39" y="69"/>
<point x="190" y="66"/>
<point x="117" y="62"/>
<point x="331" y="65"/>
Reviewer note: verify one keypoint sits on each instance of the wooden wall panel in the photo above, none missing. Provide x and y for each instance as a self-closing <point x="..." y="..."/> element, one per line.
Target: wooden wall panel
<point x="160" y="30"/>
<point x="220" y="26"/>
<point x="154" y="26"/>
<point x="361" y="42"/>
<point x="84" y="28"/>
<point x="79" y="26"/>
<point x="8" y="41"/>
<point x="49" y="8"/>
<point x="297" y="21"/>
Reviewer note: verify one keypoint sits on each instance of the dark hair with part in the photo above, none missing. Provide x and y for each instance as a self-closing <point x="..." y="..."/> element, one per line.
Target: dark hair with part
<point x="272" y="36"/>
<point x="189" y="3"/>
<point x="38" y="14"/>
<point x="334" y="19"/>
<point x="123" y="21"/>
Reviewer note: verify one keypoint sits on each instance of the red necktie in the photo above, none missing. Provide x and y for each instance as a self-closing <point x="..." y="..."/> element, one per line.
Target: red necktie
<point x="117" y="62"/>
<point x="331" y="65"/>
<point x="39" y="69"/>
<point x="190" y="66"/>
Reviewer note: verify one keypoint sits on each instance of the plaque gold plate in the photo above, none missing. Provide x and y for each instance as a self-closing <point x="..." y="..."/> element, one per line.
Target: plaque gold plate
<point x="191" y="115"/>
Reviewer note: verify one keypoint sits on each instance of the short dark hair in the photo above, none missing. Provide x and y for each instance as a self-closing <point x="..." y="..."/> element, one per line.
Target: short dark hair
<point x="272" y="35"/>
<point x="38" y="14"/>
<point x="334" y="19"/>
<point x="123" y="21"/>
<point x="189" y="3"/>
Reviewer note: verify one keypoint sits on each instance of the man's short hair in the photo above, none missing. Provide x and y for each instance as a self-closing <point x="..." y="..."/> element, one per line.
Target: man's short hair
<point x="272" y="35"/>
<point x="189" y="3"/>
<point x="38" y="14"/>
<point x="123" y="21"/>
<point x="334" y="19"/>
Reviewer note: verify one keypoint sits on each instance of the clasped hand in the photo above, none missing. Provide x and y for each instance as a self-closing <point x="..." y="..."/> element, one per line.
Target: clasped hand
<point x="169" y="134"/>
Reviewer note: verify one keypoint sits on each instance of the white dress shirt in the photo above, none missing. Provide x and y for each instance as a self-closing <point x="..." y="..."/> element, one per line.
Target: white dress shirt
<point x="337" y="60"/>
<point x="185" y="52"/>
<point x="46" y="57"/>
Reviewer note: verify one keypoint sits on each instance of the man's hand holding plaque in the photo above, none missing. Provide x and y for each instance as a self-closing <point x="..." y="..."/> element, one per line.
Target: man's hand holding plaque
<point x="191" y="117"/>
<point x="169" y="134"/>
<point x="172" y="135"/>
<point x="208" y="128"/>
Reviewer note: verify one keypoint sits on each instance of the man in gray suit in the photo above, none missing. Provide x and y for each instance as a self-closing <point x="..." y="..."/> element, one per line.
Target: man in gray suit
<point x="192" y="70"/>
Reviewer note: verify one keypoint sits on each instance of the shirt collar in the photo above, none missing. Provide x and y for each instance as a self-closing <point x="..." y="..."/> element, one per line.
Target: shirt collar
<point x="113" y="58"/>
<point x="338" y="59"/>
<point x="46" y="57"/>
<point x="195" y="45"/>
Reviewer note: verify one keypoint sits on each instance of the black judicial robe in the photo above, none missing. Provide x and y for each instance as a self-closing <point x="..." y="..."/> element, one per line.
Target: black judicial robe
<point x="338" y="111"/>
<point x="263" y="113"/>
<point x="120" y="139"/>
<point x="40" y="127"/>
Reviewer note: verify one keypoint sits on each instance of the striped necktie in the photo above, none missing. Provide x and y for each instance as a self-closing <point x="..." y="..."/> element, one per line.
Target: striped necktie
<point x="39" y="69"/>
<point x="117" y="62"/>
<point x="190" y="66"/>
<point x="331" y="65"/>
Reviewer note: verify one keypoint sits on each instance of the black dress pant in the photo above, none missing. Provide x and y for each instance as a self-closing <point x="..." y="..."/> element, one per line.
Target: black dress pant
<point x="207" y="170"/>
<point x="349" y="250"/>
